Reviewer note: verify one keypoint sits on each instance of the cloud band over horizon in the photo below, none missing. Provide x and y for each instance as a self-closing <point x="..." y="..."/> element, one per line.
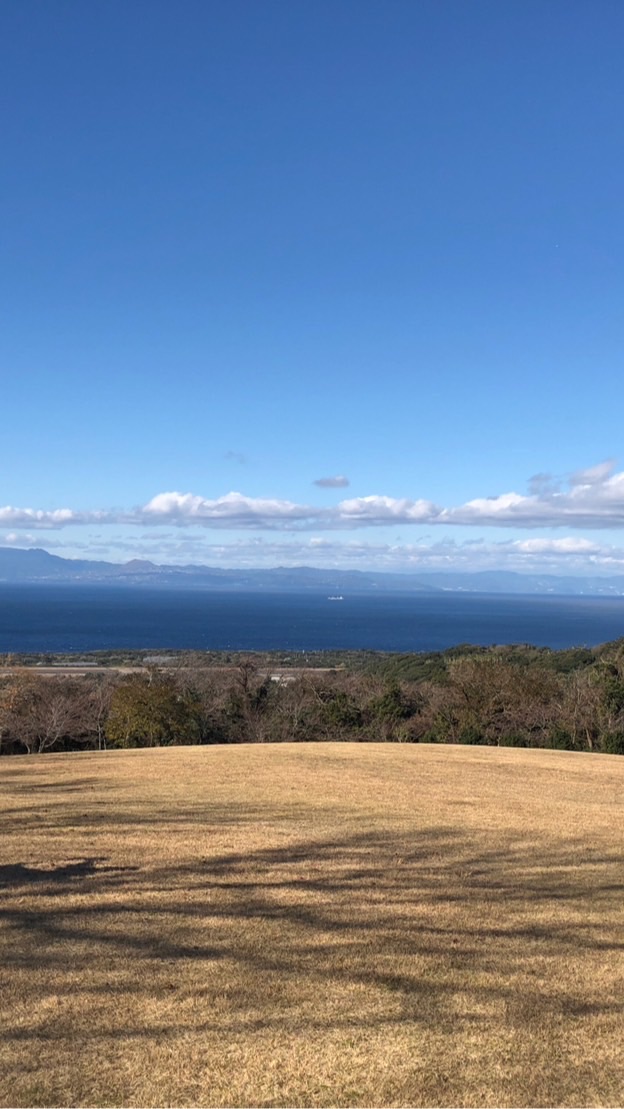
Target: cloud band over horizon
<point x="594" y="498"/>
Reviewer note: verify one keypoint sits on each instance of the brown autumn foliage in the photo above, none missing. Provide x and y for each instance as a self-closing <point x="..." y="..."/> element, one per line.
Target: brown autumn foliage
<point x="506" y="697"/>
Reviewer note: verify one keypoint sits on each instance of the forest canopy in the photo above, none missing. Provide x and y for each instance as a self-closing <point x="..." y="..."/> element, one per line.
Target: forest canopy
<point x="502" y="696"/>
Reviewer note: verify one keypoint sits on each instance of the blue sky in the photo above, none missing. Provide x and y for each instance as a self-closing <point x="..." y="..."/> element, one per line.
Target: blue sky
<point x="334" y="283"/>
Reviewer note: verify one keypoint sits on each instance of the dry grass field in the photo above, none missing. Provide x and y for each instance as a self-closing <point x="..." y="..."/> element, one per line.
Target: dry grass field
<point x="312" y="925"/>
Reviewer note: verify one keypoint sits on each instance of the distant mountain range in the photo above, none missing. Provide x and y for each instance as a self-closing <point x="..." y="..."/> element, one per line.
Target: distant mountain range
<point x="38" y="566"/>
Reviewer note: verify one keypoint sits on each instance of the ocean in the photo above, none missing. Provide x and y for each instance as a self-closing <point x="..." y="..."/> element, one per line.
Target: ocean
<point x="51" y="618"/>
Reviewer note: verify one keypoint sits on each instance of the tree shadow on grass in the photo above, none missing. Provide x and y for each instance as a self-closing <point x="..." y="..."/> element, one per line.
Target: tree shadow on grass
<point x="73" y="785"/>
<point x="92" y="815"/>
<point x="424" y="915"/>
<point x="18" y="875"/>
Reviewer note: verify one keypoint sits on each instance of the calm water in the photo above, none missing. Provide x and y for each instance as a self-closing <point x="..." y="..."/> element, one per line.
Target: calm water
<point x="81" y="618"/>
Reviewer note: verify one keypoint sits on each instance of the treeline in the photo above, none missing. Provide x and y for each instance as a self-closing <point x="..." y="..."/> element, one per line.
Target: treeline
<point x="515" y="696"/>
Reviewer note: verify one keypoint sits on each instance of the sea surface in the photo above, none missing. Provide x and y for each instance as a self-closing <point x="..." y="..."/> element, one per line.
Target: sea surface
<point x="51" y="618"/>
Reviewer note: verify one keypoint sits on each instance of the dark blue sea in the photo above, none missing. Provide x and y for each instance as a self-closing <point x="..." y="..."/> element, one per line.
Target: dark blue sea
<point x="49" y="618"/>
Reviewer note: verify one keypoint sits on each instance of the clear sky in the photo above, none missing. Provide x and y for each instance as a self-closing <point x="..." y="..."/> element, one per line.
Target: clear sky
<point x="324" y="282"/>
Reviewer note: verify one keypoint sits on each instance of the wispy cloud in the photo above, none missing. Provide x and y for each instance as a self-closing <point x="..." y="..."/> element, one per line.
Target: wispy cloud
<point x="594" y="498"/>
<point x="569" y="555"/>
<point x="337" y="482"/>
<point x="593" y="475"/>
<point x="543" y="484"/>
<point x="17" y="539"/>
<point x="56" y="518"/>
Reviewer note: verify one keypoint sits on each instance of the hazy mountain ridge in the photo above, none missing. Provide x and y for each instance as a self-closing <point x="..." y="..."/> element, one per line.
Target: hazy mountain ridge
<point x="36" y="565"/>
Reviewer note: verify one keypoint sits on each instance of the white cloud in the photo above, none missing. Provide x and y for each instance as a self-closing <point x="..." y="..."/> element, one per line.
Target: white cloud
<point x="594" y="499"/>
<point x="17" y="539"/>
<point x="569" y="545"/>
<point x="384" y="510"/>
<point x="569" y="555"/>
<point x="234" y="509"/>
<point x="55" y="518"/>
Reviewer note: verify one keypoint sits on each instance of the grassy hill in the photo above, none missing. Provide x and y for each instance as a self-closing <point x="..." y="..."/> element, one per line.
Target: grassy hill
<point x="331" y="924"/>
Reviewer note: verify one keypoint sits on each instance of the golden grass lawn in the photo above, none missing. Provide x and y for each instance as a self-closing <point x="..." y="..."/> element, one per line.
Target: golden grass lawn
<point x="322" y="924"/>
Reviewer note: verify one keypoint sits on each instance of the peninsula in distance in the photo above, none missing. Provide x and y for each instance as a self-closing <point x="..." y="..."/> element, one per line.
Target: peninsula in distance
<point x="37" y="566"/>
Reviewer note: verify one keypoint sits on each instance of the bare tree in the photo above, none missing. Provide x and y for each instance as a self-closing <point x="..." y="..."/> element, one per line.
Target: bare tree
<point x="40" y="712"/>
<point x="96" y="702"/>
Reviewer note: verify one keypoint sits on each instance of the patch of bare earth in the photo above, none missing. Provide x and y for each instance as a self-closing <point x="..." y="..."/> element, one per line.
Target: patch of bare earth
<point x="312" y="925"/>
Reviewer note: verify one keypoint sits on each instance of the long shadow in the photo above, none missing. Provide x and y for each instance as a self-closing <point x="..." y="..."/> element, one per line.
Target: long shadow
<point x="17" y="874"/>
<point x="96" y="814"/>
<point x="410" y="916"/>
<point x="75" y="785"/>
